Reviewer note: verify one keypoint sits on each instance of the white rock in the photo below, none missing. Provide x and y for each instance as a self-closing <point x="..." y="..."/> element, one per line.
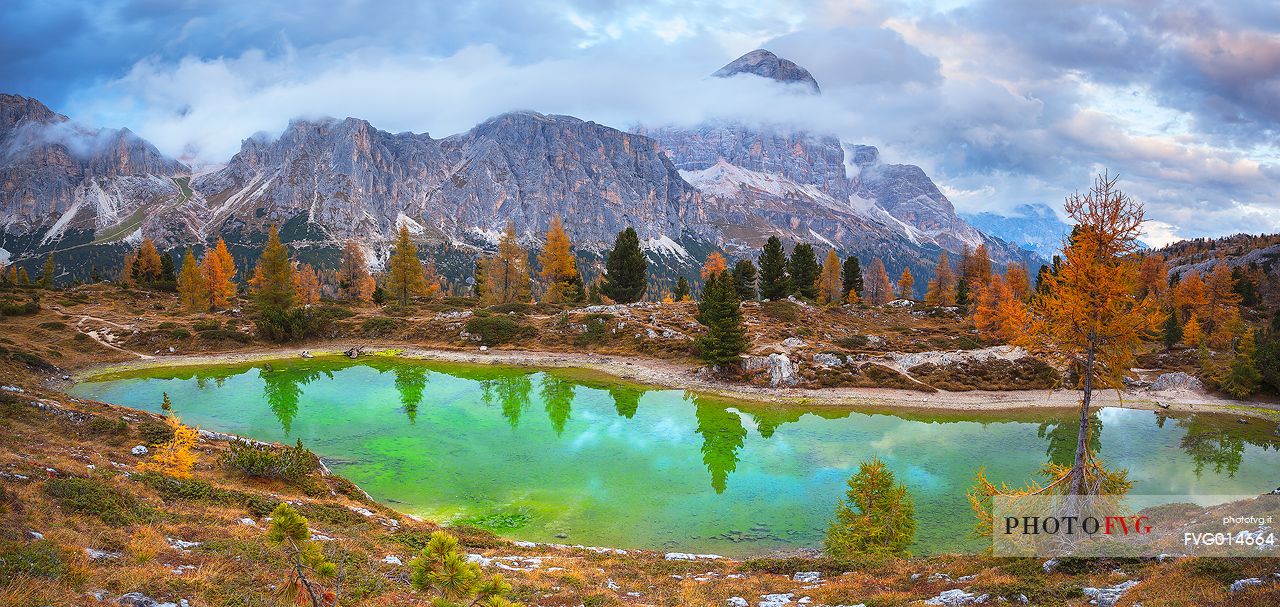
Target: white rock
<point x="139" y="450"/>
<point x="392" y="559"/>
<point x="248" y="521"/>
<point x="1239" y="585"/>
<point x="775" y="600"/>
<point x="181" y="544"/>
<point x="793" y="342"/>
<point x="807" y="577"/>
<point x="1108" y="597"/>
<point x="955" y="598"/>
<point x="737" y="601"/>
<point x="781" y="371"/>
<point x="685" y="556"/>
<point x="1176" y="381"/>
<point x="98" y="555"/>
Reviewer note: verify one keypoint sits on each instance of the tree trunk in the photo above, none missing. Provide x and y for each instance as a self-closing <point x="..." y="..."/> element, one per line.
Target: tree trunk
<point x="1082" y="441"/>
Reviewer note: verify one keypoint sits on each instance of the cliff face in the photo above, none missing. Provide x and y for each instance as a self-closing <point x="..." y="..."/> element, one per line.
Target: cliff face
<point x="57" y="176"/>
<point x="350" y="180"/>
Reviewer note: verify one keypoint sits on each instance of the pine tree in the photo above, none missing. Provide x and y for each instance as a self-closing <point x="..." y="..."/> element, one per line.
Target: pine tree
<point x="681" y="292"/>
<point x="506" y="277"/>
<point x="626" y="269"/>
<point x="877" y="516"/>
<point x="773" y="270"/>
<point x="878" y="289"/>
<point x="719" y="311"/>
<point x="46" y="274"/>
<point x="744" y="279"/>
<point x="830" y="287"/>
<point x="219" y="270"/>
<point x="306" y="285"/>
<point x="963" y="296"/>
<point x="443" y="568"/>
<point x="1243" y="377"/>
<point x="1172" y="330"/>
<point x="851" y="278"/>
<point x="193" y="292"/>
<point x="803" y="271"/>
<point x="906" y="285"/>
<point x="559" y="268"/>
<point x="273" y="277"/>
<point x="146" y="268"/>
<point x="290" y="532"/>
<point x="355" y="283"/>
<point x="405" y="277"/>
<point x="20" y="277"/>
<point x="167" y="274"/>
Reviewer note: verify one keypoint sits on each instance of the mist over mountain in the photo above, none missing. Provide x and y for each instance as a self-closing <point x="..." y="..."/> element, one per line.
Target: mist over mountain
<point x="1035" y="227"/>
<point x="719" y="185"/>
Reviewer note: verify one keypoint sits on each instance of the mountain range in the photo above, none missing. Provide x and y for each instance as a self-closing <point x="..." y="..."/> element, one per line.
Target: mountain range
<point x="88" y="194"/>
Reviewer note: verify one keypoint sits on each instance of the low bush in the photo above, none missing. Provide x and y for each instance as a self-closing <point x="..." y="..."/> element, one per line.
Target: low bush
<point x="290" y="464"/>
<point x="154" y="432"/>
<point x="994" y="374"/>
<point x="495" y="330"/>
<point x="332" y="312"/>
<point x="226" y="334"/>
<point x="41" y="559"/>
<point x="53" y="325"/>
<point x="207" y="324"/>
<point x="508" y="308"/>
<point x="32" y="360"/>
<point x="853" y="342"/>
<point x="179" y="333"/>
<point x="596" y="330"/>
<point x="106" y="426"/>
<point x="167" y="325"/>
<point x="378" y="326"/>
<point x="284" y="326"/>
<point x="98" y="498"/>
<point x="19" y="308"/>
<point x="189" y="489"/>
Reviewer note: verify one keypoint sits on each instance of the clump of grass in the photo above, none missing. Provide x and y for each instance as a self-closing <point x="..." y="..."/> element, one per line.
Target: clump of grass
<point x="53" y="325"/>
<point x="995" y="374"/>
<point x="96" y="497"/>
<point x="207" y="324"/>
<point x="782" y="310"/>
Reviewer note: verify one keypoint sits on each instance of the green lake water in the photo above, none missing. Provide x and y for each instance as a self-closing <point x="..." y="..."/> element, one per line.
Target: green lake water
<point x="545" y="457"/>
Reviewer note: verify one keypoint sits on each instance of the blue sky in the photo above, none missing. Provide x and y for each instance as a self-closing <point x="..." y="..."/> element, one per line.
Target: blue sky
<point x="1002" y="103"/>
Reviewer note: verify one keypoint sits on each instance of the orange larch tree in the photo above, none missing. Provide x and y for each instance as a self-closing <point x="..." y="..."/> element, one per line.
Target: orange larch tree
<point x="355" y="283"/>
<point x="1090" y="318"/>
<point x="714" y="266"/>
<point x="941" y="289"/>
<point x="306" y="285"/>
<point x="878" y="289"/>
<point x="559" y="271"/>
<point x="906" y="285"/>
<point x="830" y="284"/>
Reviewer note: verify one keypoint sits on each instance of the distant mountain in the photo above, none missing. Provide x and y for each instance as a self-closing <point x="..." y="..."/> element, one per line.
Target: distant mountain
<point x="768" y="65"/>
<point x="687" y="191"/>
<point x="1035" y="227"/>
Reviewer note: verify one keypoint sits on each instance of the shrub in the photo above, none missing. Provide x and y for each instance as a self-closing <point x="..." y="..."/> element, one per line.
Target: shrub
<point x="291" y="464"/>
<point x="153" y="432"/>
<point x="98" y="498"/>
<point x="53" y="325"/>
<point x="207" y="324"/>
<point x="443" y="568"/>
<point x="106" y="426"/>
<point x="174" y="457"/>
<point x="507" y="308"/>
<point x="32" y="360"/>
<point x="179" y="333"/>
<point x="226" y="334"/>
<point x="167" y="325"/>
<point x="13" y="308"/>
<point x="41" y="558"/>
<point x="494" y="330"/>
<point x="283" y="326"/>
<point x="378" y="326"/>
<point x="595" y="332"/>
<point x="332" y="312"/>
<point x="853" y="342"/>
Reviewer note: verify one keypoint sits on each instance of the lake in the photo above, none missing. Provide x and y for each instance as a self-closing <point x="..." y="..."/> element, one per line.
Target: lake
<point x="562" y="457"/>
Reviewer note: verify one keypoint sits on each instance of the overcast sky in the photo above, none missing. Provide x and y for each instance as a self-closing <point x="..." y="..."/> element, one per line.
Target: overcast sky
<point x="1002" y="103"/>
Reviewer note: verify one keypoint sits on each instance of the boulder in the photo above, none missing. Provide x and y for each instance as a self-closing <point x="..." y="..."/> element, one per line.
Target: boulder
<point x="828" y="360"/>
<point x="781" y="371"/>
<point x="1108" y="597"/>
<point x="956" y="598"/>
<point x="1176" y="381"/>
<point x="808" y="577"/>
<point x="793" y="342"/>
<point x="1239" y="585"/>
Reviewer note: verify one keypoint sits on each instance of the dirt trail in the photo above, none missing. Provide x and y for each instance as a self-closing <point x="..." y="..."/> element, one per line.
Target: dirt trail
<point x="677" y="375"/>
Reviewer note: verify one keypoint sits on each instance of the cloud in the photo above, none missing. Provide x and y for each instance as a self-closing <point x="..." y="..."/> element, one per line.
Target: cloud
<point x="1002" y="104"/>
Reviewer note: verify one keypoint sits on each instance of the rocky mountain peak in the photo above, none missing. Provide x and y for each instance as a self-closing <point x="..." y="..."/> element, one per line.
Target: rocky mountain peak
<point x="15" y="109"/>
<point x="768" y="65"/>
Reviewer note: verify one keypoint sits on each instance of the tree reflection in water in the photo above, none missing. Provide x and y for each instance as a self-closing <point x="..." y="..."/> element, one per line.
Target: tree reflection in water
<point x="722" y="437"/>
<point x="411" y="382"/>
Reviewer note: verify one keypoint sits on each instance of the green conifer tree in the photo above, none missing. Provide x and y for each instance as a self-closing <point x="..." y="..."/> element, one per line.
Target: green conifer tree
<point x="1172" y="330"/>
<point x="682" y="289"/>
<point x="803" y="269"/>
<point x="744" y="279"/>
<point x="626" y="269"/>
<point x="876" y="517"/>
<point x="46" y="273"/>
<point x="851" y="277"/>
<point x="773" y="270"/>
<point x="719" y="311"/>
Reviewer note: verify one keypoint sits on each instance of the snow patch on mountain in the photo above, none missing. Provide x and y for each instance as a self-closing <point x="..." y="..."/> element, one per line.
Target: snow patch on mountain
<point x="663" y="245"/>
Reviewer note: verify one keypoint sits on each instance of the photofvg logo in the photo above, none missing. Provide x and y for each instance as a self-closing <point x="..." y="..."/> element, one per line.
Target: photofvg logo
<point x="1135" y="526"/>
